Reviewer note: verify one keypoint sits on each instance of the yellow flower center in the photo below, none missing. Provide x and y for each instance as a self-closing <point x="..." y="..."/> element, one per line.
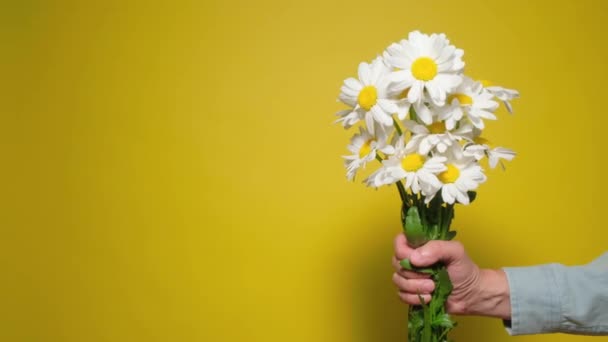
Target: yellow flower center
<point x="412" y="162"/>
<point x="367" y="97"/>
<point x="437" y="127"/>
<point x="403" y="94"/>
<point x="462" y="98"/>
<point x="450" y="175"/>
<point x="366" y="148"/>
<point x="485" y="83"/>
<point x="424" y="69"/>
<point x="481" y="141"/>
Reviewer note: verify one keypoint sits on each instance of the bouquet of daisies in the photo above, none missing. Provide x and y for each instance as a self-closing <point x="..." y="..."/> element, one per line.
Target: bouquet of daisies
<point x="422" y="119"/>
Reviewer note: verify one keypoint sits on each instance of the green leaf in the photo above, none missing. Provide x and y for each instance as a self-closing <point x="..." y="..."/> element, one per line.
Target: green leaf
<point x="444" y="284"/>
<point x="415" y="323"/>
<point x="406" y="264"/>
<point x="413" y="229"/>
<point x="444" y="321"/>
<point x="434" y="232"/>
<point x="472" y="196"/>
<point x="450" y="235"/>
<point x="415" y="320"/>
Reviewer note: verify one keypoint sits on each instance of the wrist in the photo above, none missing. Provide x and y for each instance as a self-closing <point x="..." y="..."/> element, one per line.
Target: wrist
<point x="492" y="296"/>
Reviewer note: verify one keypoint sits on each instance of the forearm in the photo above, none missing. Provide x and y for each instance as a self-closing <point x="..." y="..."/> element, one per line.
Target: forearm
<point x="492" y="298"/>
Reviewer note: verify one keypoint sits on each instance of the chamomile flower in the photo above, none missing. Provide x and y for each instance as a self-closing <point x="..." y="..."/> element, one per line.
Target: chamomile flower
<point x="461" y="175"/>
<point x="426" y="63"/>
<point x="472" y="99"/>
<point x="418" y="171"/>
<point x="368" y="96"/>
<point x="503" y="94"/>
<point x="403" y="108"/>
<point x="481" y="148"/>
<point x="435" y="135"/>
<point x="364" y="147"/>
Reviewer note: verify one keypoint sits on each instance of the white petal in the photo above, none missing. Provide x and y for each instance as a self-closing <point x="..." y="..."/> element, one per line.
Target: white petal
<point x="381" y="116"/>
<point x="353" y="84"/>
<point x="369" y="122"/>
<point x="504" y="153"/>
<point x="476" y="121"/>
<point x="364" y="74"/>
<point x="403" y="109"/>
<point x="415" y="93"/>
<point x="446" y="195"/>
<point x="448" y="81"/>
<point x="424" y="114"/>
<point x="388" y="106"/>
<point x="425" y="146"/>
<point x="462" y="197"/>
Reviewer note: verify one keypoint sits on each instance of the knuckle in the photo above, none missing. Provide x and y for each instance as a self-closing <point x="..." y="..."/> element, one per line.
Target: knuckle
<point x="395" y="277"/>
<point x="396" y="263"/>
<point x="397" y="280"/>
<point x="400" y="282"/>
<point x="397" y="239"/>
<point x="458" y="247"/>
<point x="401" y="253"/>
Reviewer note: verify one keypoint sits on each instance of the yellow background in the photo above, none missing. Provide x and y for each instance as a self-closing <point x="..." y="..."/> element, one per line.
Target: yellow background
<point x="170" y="171"/>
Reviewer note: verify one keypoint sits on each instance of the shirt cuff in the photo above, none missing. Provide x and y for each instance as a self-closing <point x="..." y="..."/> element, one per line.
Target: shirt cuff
<point x="535" y="300"/>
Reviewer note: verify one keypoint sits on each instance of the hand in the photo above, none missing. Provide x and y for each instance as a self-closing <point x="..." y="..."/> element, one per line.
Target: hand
<point x="482" y="292"/>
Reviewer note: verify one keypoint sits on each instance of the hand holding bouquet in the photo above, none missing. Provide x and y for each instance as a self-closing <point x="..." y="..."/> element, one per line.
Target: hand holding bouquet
<point x="422" y="119"/>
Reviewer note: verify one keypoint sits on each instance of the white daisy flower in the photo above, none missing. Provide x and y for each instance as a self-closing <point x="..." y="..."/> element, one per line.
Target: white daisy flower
<point x="403" y="108"/>
<point x="364" y="147"/>
<point x="482" y="147"/>
<point x="503" y="94"/>
<point x="418" y="171"/>
<point x="368" y="96"/>
<point x="461" y="175"/>
<point x="472" y="99"/>
<point x="425" y="62"/>
<point x="436" y="135"/>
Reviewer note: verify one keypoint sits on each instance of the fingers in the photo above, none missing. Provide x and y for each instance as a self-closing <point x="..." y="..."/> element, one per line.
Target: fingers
<point x="411" y="289"/>
<point x="434" y="251"/>
<point x="402" y="250"/>
<point x="413" y="299"/>
<point x="408" y="274"/>
<point x="413" y="286"/>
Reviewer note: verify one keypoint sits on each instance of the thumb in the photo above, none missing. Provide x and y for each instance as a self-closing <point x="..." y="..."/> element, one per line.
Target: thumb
<point x="433" y="251"/>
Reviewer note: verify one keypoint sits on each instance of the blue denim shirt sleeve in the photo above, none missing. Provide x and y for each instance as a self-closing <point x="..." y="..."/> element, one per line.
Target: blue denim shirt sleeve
<point x="556" y="298"/>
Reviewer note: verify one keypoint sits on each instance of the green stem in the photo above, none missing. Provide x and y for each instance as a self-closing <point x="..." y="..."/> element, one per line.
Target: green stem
<point x="426" y="330"/>
<point x="445" y="332"/>
<point x="429" y="322"/>
<point x="397" y="127"/>
<point x="413" y="114"/>
<point x="402" y="192"/>
<point x="400" y="187"/>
